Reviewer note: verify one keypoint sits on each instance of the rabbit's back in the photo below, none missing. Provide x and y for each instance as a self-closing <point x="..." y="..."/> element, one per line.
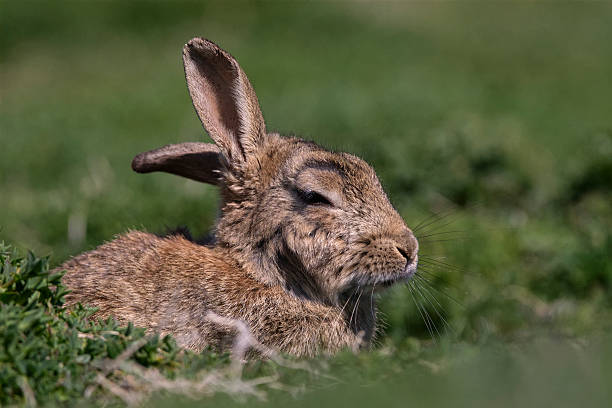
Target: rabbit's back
<point x="165" y="284"/>
<point x="122" y="277"/>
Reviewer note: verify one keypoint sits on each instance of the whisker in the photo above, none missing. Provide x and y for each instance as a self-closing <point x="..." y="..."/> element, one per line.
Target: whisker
<point x="434" y="217"/>
<point x="372" y="301"/>
<point x="441" y="314"/>
<point x="429" y="256"/>
<point x="437" y="218"/>
<point x="433" y="276"/>
<point x="424" y="315"/>
<point x="436" y="260"/>
<point x="432" y="266"/>
<point x="440" y="291"/>
<point x="441" y="233"/>
<point x="355" y="308"/>
<point x="435" y="269"/>
<point x="419" y="225"/>
<point x="343" y="307"/>
<point x="429" y="260"/>
<point x="418" y="306"/>
<point x="430" y="274"/>
<point x="427" y="315"/>
<point x="425" y="219"/>
<point x="426" y="312"/>
<point x="437" y="227"/>
<point x="427" y="241"/>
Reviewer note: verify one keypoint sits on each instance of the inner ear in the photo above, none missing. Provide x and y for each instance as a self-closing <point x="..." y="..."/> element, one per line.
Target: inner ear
<point x="196" y="161"/>
<point x="223" y="99"/>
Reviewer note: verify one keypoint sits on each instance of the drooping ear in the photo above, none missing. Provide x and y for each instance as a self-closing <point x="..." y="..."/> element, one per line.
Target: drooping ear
<point x="196" y="161"/>
<point x="224" y="100"/>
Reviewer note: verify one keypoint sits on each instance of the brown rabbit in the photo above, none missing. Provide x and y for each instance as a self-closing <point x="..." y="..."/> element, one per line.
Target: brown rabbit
<point x="304" y="237"/>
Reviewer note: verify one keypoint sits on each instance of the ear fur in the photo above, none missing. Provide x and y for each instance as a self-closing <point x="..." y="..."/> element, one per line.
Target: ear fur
<point x="224" y="100"/>
<point x="196" y="161"/>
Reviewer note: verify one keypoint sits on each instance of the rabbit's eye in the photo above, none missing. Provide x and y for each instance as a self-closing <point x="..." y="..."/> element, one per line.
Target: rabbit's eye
<point x="312" y="198"/>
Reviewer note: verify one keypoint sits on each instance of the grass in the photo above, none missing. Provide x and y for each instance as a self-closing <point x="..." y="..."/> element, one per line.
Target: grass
<point x="496" y="113"/>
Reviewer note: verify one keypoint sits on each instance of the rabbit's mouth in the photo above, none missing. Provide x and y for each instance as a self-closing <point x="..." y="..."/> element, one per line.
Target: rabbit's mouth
<point x="381" y="286"/>
<point x="378" y="284"/>
<point x="402" y="277"/>
<point x="385" y="283"/>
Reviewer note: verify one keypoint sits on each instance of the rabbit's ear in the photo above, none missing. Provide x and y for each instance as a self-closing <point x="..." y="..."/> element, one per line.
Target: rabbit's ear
<point x="196" y="161"/>
<point x="224" y="100"/>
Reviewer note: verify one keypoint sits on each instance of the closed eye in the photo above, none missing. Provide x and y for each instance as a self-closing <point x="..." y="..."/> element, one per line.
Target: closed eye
<point x="313" y="198"/>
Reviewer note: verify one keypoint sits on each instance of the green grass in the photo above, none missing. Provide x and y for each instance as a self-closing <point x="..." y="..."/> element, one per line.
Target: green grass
<point x="49" y="354"/>
<point x="498" y="112"/>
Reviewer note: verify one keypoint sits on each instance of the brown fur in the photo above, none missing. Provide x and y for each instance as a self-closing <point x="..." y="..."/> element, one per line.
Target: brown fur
<point x="304" y="237"/>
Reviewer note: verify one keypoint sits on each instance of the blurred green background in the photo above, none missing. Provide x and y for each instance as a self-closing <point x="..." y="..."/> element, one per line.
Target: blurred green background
<point x="495" y="115"/>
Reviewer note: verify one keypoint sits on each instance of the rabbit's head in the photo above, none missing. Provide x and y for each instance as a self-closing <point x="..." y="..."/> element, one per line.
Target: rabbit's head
<point x="293" y="214"/>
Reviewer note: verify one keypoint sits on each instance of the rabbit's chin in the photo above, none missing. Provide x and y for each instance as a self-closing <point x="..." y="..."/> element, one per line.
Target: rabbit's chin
<point x="381" y="284"/>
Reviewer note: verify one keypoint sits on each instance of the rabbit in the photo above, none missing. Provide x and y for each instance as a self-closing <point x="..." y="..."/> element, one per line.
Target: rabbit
<point x="304" y="238"/>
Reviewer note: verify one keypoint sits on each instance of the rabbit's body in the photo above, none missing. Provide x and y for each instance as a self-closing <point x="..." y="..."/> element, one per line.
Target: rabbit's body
<point x="304" y="237"/>
<point x="137" y="278"/>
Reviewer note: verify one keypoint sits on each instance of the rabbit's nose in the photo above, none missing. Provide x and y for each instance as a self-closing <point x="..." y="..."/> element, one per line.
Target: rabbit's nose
<point x="403" y="253"/>
<point x="408" y="247"/>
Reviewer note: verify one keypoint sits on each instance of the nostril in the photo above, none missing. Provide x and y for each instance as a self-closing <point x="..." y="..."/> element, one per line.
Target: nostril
<point x="403" y="253"/>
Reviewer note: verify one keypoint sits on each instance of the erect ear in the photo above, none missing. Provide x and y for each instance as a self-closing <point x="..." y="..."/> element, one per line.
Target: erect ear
<point x="224" y="100"/>
<point x="197" y="161"/>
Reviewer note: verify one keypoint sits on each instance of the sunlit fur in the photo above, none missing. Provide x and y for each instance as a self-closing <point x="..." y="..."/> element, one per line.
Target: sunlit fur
<point x="300" y="272"/>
